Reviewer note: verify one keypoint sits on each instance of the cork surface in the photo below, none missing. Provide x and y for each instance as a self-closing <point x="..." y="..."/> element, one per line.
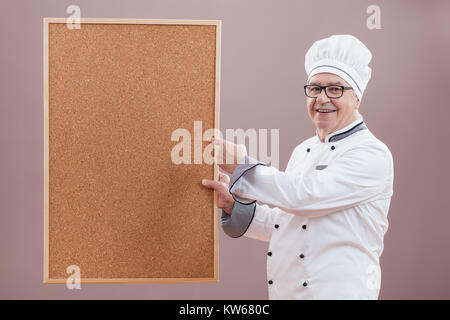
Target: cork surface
<point x="117" y="206"/>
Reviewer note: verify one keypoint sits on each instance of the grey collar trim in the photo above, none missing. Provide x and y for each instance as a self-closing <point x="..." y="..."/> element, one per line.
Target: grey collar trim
<point x="342" y="135"/>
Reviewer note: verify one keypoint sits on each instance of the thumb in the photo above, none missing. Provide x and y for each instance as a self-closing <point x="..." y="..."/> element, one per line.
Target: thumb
<point x="210" y="184"/>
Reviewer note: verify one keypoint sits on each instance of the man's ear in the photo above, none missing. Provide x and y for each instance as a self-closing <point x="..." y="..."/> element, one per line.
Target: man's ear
<point x="357" y="103"/>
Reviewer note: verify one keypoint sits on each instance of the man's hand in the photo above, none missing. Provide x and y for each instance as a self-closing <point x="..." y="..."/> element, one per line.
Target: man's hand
<point x="229" y="155"/>
<point x="226" y="201"/>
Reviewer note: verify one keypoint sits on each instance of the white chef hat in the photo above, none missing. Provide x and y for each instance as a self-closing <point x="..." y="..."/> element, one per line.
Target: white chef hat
<point x="343" y="55"/>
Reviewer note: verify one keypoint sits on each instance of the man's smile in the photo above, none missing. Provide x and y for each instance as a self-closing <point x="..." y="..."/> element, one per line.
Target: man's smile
<point x="325" y="111"/>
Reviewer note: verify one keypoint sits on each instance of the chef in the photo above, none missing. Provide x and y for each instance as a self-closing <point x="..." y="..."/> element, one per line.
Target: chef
<point x="325" y="216"/>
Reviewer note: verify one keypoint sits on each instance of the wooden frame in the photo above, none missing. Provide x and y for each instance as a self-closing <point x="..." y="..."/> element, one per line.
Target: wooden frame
<point x="46" y="22"/>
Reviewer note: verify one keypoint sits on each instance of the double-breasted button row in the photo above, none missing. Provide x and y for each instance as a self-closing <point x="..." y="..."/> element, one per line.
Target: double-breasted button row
<point x="301" y="255"/>
<point x="309" y="149"/>
<point x="305" y="284"/>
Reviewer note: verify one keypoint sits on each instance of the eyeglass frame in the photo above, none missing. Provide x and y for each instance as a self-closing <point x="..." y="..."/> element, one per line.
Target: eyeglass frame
<point x="324" y="87"/>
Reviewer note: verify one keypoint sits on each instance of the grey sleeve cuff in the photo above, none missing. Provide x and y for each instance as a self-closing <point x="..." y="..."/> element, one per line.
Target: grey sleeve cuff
<point x="241" y="169"/>
<point x="236" y="224"/>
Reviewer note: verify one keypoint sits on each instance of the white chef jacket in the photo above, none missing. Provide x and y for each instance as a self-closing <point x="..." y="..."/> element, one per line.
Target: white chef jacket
<point x="327" y="219"/>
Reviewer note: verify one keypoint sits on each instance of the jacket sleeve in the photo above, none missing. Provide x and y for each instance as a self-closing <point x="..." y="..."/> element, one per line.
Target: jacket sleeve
<point x="360" y="175"/>
<point x="263" y="222"/>
<point x="236" y="224"/>
<point x="251" y="220"/>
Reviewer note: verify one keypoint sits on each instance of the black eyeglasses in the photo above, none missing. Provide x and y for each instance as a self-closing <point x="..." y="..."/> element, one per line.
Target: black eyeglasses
<point x="332" y="92"/>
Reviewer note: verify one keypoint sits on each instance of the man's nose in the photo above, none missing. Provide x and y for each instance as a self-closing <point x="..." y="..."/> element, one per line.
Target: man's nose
<point x="322" y="98"/>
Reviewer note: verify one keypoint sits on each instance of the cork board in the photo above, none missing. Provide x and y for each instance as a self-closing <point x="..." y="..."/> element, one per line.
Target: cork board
<point x="115" y="204"/>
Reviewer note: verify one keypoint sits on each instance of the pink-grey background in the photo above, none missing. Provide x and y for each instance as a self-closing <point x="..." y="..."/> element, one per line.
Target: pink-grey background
<point x="263" y="48"/>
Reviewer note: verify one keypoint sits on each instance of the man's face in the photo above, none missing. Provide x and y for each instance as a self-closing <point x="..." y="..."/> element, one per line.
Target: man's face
<point x="345" y="107"/>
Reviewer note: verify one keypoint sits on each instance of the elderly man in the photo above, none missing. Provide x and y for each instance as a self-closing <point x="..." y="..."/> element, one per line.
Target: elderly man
<point x="326" y="215"/>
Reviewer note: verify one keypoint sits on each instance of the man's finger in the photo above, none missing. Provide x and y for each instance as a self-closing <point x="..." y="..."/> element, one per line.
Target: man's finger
<point x="224" y="178"/>
<point x="211" y="184"/>
<point x="217" y="141"/>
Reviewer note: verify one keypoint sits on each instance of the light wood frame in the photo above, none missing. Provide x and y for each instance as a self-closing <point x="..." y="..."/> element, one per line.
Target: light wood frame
<point x="47" y="21"/>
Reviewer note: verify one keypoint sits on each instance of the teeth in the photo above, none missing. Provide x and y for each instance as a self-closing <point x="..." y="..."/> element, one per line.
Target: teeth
<point x="324" y="110"/>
